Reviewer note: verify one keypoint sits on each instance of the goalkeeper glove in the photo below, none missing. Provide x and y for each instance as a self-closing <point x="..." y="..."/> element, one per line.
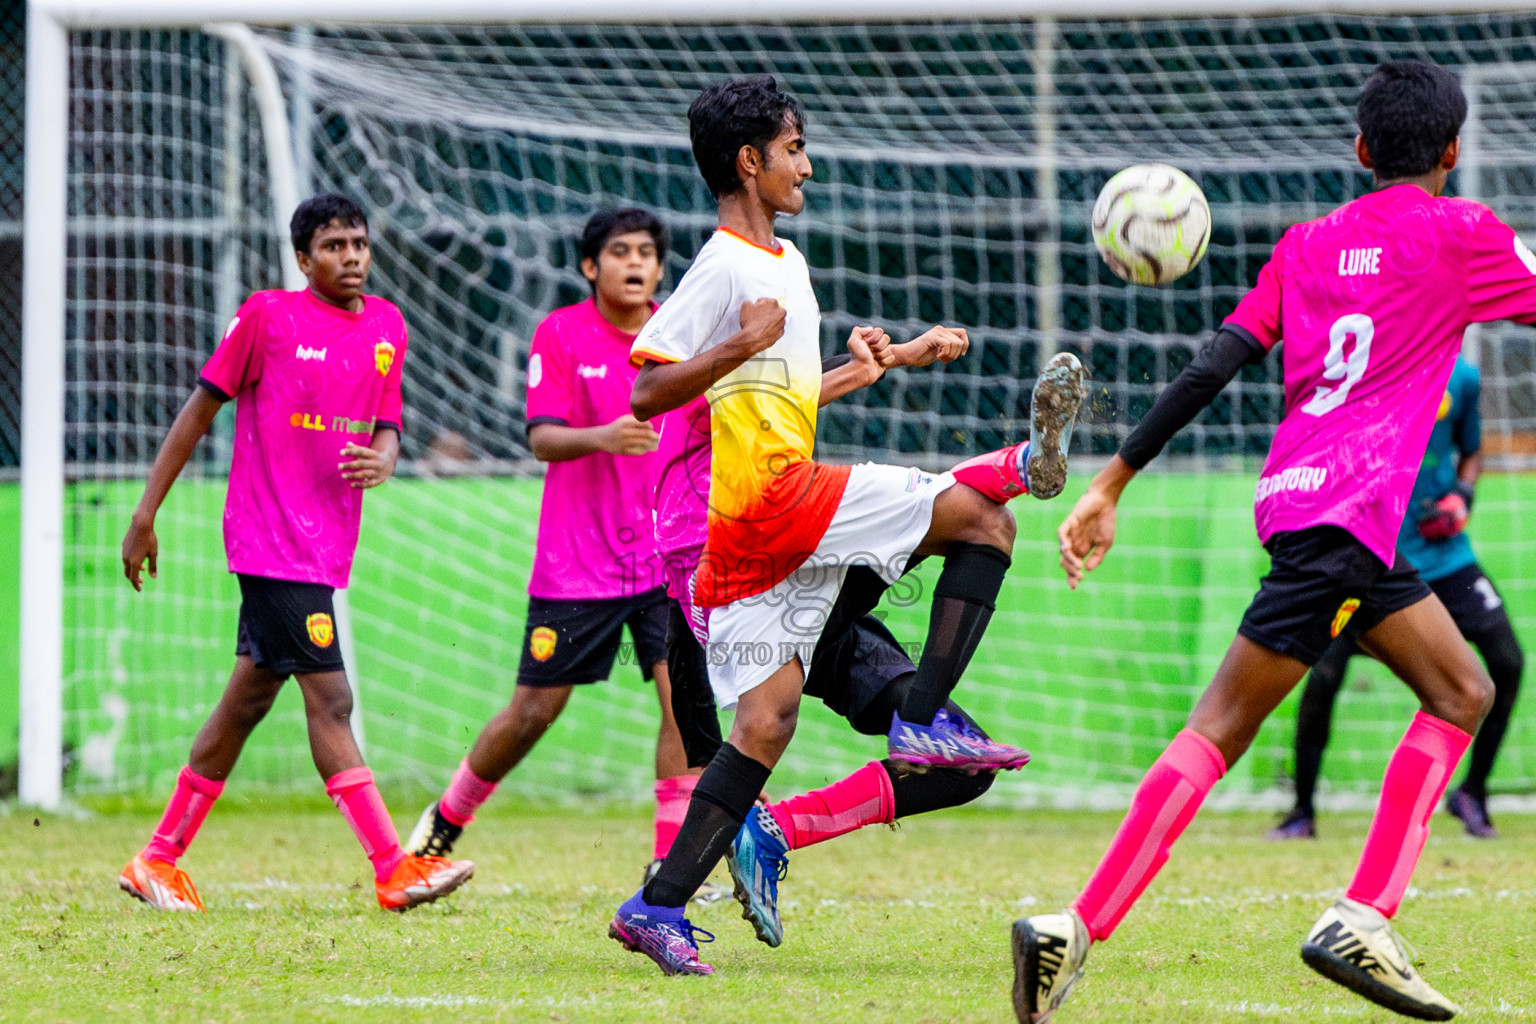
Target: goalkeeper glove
<point x="1448" y="516"/>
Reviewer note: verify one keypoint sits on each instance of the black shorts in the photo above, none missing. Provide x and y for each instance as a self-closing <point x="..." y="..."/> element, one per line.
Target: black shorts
<point x="570" y="642"/>
<point x="1321" y="580"/>
<point x="1474" y="604"/>
<point x="856" y="660"/>
<point x="288" y="627"/>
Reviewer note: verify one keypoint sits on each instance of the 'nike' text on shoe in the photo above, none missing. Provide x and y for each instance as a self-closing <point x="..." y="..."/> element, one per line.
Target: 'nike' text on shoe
<point x="1354" y="945"/>
<point x="1048" y="955"/>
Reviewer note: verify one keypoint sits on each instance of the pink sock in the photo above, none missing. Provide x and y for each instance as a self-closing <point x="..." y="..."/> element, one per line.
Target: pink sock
<point x="671" y="806"/>
<point x="863" y="798"/>
<point x="1416" y="776"/>
<point x="995" y="474"/>
<point x="465" y="793"/>
<point x="1164" y="804"/>
<point x="190" y="804"/>
<point x="358" y="800"/>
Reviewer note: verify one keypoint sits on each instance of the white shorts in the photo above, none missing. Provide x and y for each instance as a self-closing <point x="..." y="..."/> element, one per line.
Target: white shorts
<point x="884" y="515"/>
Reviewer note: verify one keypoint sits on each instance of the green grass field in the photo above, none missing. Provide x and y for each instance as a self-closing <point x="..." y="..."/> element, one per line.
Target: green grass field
<point x="906" y="926"/>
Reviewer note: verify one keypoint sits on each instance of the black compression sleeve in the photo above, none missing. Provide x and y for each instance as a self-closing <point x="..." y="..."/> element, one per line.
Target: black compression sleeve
<point x="833" y="362"/>
<point x="1192" y="390"/>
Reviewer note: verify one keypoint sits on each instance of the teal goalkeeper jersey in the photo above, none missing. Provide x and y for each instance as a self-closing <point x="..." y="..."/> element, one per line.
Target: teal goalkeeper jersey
<point x="1458" y="431"/>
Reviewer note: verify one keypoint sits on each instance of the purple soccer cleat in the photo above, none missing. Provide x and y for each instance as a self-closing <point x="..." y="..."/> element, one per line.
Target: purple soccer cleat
<point x="1294" y="826"/>
<point x="661" y="933"/>
<point x="950" y="742"/>
<point x="1473" y="814"/>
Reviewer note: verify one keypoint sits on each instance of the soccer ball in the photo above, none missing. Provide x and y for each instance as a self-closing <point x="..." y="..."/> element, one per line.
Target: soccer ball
<point x="1151" y="224"/>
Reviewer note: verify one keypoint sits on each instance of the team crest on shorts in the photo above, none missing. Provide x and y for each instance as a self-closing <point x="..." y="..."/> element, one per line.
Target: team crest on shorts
<point x="1344" y="614"/>
<point x="542" y="643"/>
<point x="322" y="632"/>
<point x="383" y="357"/>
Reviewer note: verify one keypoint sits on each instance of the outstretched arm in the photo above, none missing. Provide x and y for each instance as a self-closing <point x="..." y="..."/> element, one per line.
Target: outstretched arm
<point x="1089" y="531"/>
<point x="859" y="368"/>
<point x="662" y="387"/>
<point x="191" y="424"/>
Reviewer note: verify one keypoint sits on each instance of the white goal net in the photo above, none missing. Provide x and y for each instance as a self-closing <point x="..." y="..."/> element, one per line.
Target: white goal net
<point x="955" y="164"/>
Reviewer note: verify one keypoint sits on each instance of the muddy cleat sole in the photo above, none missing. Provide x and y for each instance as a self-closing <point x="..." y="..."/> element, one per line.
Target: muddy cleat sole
<point x="1354" y="946"/>
<point x="434" y="835"/>
<point x="1048" y="955"/>
<point x="159" y="883"/>
<point x="417" y="880"/>
<point x="1053" y="407"/>
<point x="708" y="892"/>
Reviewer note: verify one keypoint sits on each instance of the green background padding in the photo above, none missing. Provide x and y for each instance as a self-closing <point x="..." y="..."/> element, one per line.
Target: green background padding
<point x="1093" y="682"/>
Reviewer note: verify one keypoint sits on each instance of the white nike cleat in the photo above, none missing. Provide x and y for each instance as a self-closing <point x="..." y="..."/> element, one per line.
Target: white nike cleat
<point x="1354" y="945"/>
<point x="1048" y="955"/>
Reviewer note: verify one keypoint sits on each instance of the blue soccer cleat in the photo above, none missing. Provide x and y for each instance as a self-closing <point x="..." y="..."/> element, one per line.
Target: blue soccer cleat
<point x="759" y="861"/>
<point x="661" y="933"/>
<point x="949" y="742"/>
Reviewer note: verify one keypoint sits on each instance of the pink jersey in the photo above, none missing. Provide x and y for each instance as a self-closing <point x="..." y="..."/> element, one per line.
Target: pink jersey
<point x="682" y="494"/>
<point x="308" y="378"/>
<point x="1371" y="302"/>
<point x="595" y="537"/>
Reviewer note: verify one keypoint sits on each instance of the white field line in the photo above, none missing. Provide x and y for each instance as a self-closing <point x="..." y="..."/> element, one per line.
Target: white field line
<point x="449" y="1001"/>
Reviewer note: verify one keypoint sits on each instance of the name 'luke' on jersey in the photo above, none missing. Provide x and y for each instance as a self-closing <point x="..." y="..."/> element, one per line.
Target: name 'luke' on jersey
<point x="1371" y="302"/>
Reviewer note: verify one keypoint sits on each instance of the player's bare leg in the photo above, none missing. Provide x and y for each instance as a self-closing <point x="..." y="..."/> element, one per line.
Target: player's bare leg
<point x="402" y="880"/>
<point x="1353" y="943"/>
<point x="501" y="746"/>
<point x="247" y="698"/>
<point x="152" y="874"/>
<point x="1421" y="645"/>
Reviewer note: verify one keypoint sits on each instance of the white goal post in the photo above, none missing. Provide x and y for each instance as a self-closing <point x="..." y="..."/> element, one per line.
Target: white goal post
<point x="46" y="226"/>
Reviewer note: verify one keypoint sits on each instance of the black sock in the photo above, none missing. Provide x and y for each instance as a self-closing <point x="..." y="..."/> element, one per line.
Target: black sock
<point x="1501" y="653"/>
<point x="725" y="793"/>
<point x="963" y="601"/>
<point x="936" y="789"/>
<point x="1314" y="719"/>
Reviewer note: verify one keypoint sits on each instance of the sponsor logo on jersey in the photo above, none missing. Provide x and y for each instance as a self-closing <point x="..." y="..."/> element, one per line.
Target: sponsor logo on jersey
<point x="316" y="421"/>
<point x="1297" y="478"/>
<point x="535" y="369"/>
<point x="1343" y="615"/>
<point x="306" y="353"/>
<point x="1445" y="407"/>
<point x="591" y="371"/>
<point x="383" y="356"/>
<point x="1354" y="262"/>
<point x="322" y="632"/>
<point x="542" y="643"/>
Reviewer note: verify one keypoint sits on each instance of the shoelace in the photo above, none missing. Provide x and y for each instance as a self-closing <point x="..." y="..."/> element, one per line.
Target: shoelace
<point x="185" y="889"/>
<point x="964" y="727"/>
<point x="684" y="931"/>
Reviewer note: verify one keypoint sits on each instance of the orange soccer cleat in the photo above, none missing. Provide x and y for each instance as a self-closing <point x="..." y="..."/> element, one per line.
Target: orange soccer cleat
<point x="160" y="884"/>
<point x="417" y="880"/>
